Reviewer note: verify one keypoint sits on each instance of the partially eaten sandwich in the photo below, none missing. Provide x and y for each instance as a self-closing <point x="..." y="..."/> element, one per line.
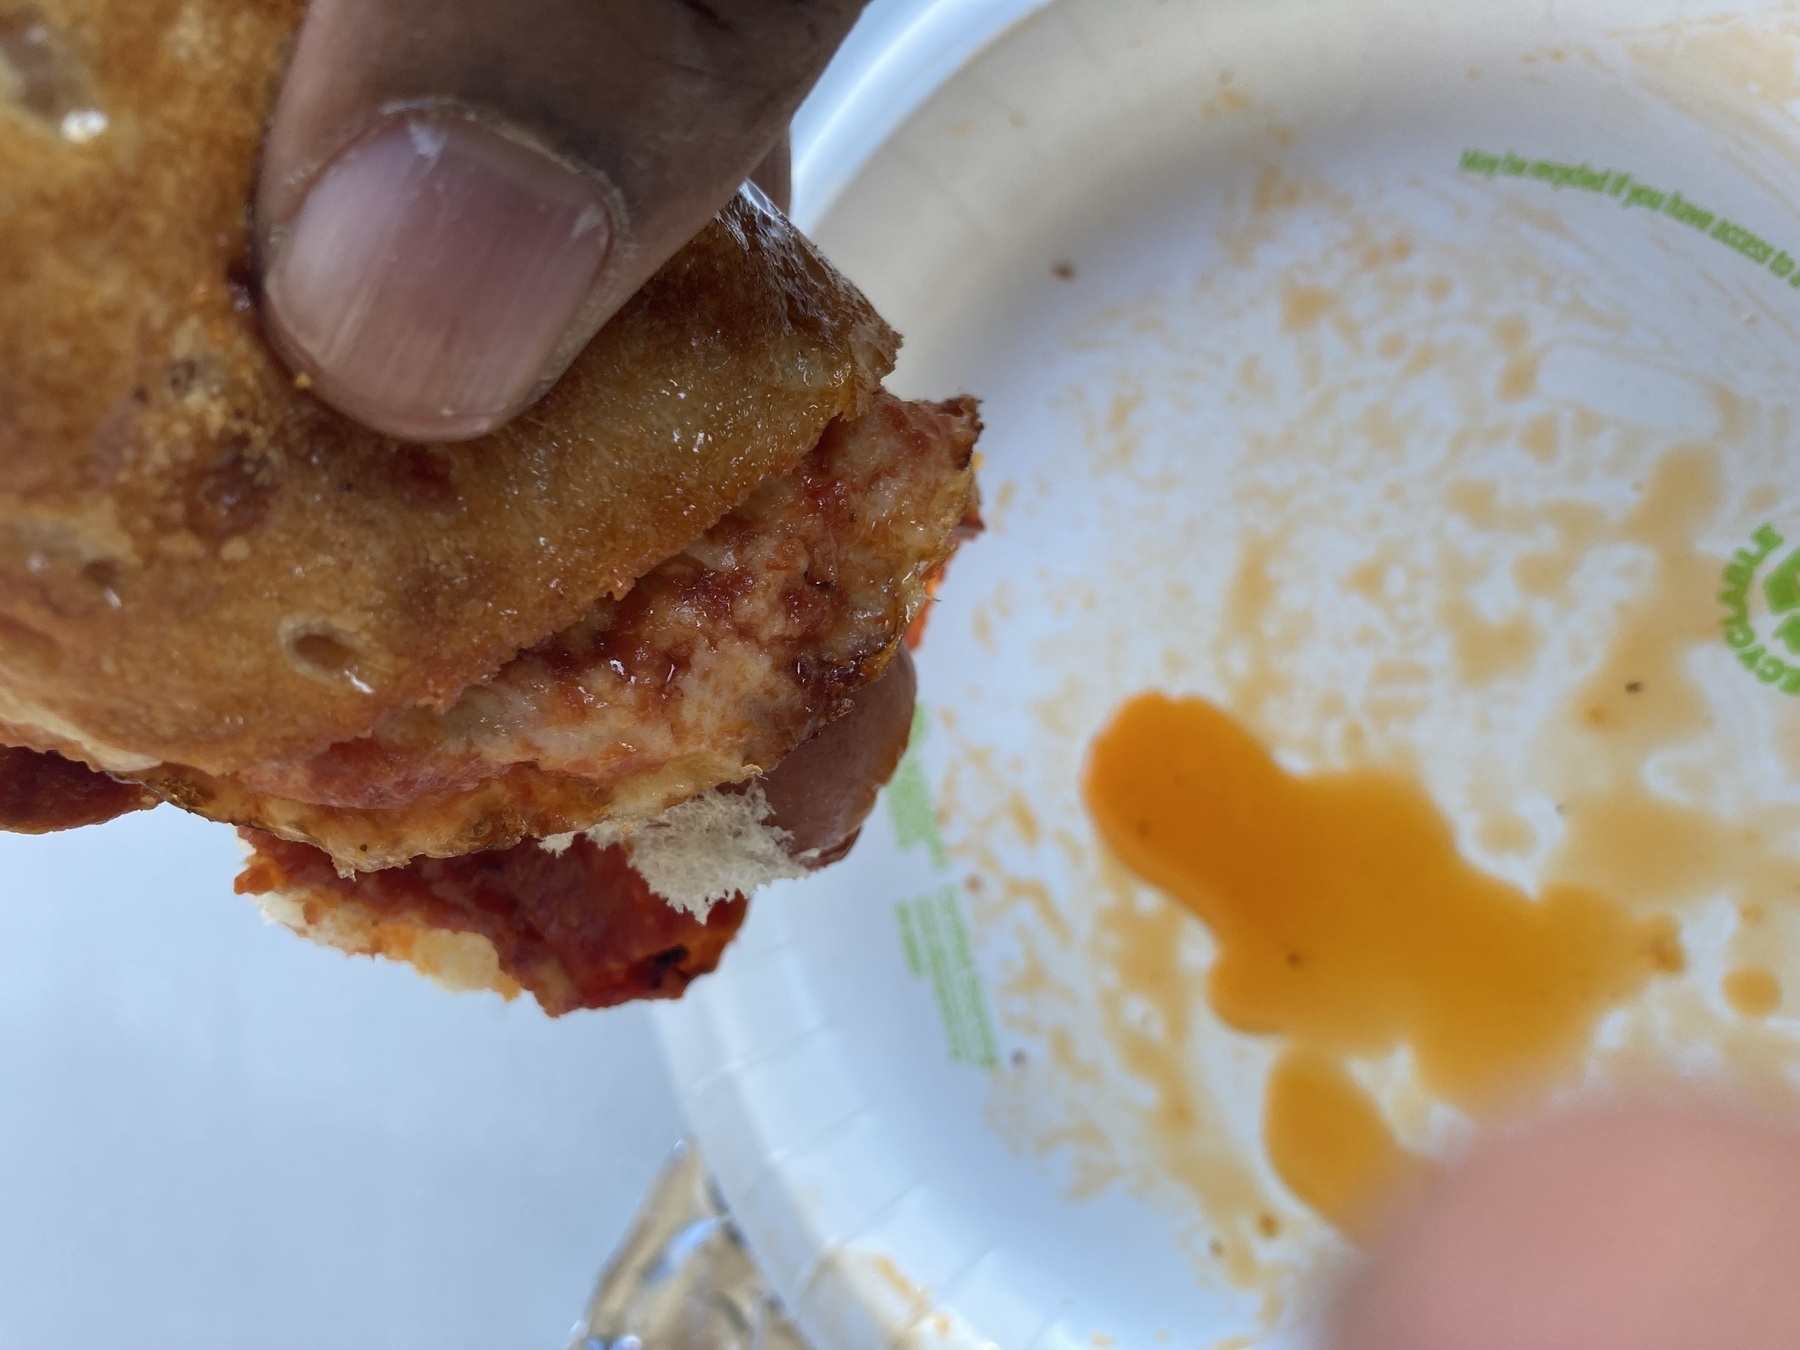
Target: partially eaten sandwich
<point x="535" y="712"/>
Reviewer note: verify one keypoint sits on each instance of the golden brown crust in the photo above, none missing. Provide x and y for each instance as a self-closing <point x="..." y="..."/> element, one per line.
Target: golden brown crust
<point x="719" y="662"/>
<point x="201" y="565"/>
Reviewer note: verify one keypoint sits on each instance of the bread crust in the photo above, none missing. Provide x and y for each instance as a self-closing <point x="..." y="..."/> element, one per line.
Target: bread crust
<point x="721" y="661"/>
<point x="201" y="564"/>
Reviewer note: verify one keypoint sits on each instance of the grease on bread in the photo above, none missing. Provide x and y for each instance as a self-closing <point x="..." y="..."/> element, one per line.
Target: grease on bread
<point x="400" y="667"/>
<point x="201" y="564"/>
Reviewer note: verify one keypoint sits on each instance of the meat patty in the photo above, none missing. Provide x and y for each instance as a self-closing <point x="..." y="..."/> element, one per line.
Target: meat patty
<point x="43" y="793"/>
<point x="580" y="928"/>
<point x="715" y="666"/>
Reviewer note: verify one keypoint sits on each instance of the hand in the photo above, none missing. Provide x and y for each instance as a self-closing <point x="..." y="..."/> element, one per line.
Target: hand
<point x="1632" y="1228"/>
<point x="456" y="194"/>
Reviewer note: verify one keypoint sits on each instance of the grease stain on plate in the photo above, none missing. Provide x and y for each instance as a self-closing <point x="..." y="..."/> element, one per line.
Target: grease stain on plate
<point x="1348" y="924"/>
<point x="1450" y="539"/>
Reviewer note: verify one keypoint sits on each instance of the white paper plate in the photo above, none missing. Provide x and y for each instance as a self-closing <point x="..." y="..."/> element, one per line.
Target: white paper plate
<point x="1289" y="397"/>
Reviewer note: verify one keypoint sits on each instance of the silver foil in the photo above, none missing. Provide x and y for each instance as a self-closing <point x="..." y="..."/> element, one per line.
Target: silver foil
<point x="683" y="1279"/>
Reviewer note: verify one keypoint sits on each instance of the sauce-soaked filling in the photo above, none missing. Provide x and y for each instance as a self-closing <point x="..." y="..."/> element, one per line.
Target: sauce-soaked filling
<point x="43" y="793"/>
<point x="1348" y="923"/>
<point x="718" y="663"/>
<point x="578" y="929"/>
<point x="582" y="929"/>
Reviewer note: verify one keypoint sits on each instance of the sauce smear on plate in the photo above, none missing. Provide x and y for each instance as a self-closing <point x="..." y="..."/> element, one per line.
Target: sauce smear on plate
<point x="1348" y="923"/>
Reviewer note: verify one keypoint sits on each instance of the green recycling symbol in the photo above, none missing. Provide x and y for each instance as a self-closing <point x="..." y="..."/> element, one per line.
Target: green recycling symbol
<point x="1781" y="588"/>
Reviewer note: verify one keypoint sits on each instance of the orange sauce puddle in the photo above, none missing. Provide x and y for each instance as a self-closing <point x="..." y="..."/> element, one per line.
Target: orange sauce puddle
<point x="1752" y="991"/>
<point x="1347" y="922"/>
<point x="1328" y="1142"/>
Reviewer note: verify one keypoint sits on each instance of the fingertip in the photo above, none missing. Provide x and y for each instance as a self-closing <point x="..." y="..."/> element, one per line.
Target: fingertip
<point x="775" y="175"/>
<point x="433" y="273"/>
<point x="1639" y="1226"/>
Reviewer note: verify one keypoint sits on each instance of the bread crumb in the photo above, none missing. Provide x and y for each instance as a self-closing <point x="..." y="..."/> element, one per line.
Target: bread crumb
<point x="701" y="851"/>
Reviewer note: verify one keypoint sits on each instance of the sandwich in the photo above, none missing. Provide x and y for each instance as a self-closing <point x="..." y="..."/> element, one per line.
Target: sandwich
<point x="536" y="712"/>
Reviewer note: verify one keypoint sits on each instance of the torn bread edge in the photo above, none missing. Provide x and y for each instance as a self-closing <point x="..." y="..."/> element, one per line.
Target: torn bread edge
<point x="694" y="855"/>
<point x="701" y="851"/>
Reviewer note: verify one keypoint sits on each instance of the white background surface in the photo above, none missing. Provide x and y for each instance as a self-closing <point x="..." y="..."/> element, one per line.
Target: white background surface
<point x="213" y="1135"/>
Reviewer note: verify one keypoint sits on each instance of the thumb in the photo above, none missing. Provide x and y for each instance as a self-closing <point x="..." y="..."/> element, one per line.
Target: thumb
<point x="456" y="194"/>
<point x="1635" y="1227"/>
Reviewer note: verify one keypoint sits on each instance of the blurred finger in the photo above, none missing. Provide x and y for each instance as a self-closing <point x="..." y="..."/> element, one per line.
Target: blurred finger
<point x="775" y="175"/>
<point x="1632" y="1228"/>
